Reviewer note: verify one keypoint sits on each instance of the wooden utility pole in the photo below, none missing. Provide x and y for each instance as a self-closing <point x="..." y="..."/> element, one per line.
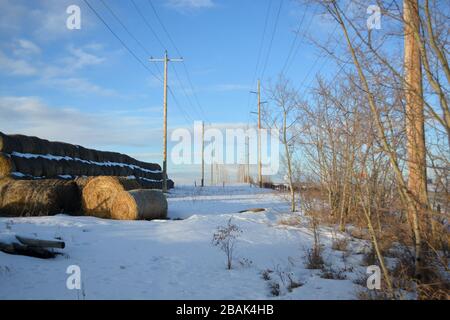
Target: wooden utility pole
<point x="416" y="149"/>
<point x="212" y="167"/>
<point x="258" y="92"/>
<point x="247" y="145"/>
<point x="203" y="154"/>
<point x="259" y="135"/>
<point x="166" y="61"/>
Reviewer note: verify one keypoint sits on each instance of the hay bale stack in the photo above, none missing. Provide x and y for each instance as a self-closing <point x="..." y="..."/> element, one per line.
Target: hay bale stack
<point x="38" y="197"/>
<point x="99" y="193"/>
<point x="6" y="165"/>
<point x="139" y="204"/>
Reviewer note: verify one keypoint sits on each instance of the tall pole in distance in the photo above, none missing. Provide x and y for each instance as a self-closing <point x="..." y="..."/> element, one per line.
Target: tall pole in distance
<point x="258" y="92"/>
<point x="247" y="144"/>
<point x="203" y="154"/>
<point x="259" y="135"/>
<point x="166" y="61"/>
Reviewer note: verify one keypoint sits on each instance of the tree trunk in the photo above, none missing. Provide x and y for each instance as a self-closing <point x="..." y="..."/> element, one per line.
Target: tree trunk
<point x="288" y="159"/>
<point x="416" y="150"/>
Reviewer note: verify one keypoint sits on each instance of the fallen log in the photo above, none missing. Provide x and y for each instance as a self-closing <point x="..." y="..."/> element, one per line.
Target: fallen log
<point x="254" y="210"/>
<point x="41" y="243"/>
<point x="38" y="248"/>
<point x="139" y="204"/>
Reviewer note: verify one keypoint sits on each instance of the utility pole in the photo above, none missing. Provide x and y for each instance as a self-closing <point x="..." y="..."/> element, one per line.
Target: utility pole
<point x="259" y="133"/>
<point x="166" y="61"/>
<point x="247" y="145"/>
<point x="203" y="154"/>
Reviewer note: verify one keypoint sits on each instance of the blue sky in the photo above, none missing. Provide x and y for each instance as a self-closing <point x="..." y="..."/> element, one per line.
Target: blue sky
<point x="82" y="86"/>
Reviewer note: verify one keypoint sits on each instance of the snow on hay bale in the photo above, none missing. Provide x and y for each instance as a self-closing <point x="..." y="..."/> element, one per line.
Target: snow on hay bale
<point x="139" y="204"/>
<point x="38" y="197"/>
<point x="99" y="193"/>
<point x="6" y="165"/>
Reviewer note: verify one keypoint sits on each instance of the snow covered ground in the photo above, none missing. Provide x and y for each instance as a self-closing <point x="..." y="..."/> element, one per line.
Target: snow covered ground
<point x="175" y="259"/>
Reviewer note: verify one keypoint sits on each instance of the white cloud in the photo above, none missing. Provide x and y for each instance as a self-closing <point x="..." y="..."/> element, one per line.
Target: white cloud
<point x="24" y="47"/>
<point x="18" y="67"/>
<point x="45" y="19"/>
<point x="31" y="116"/>
<point x="77" y="85"/>
<point x="80" y="58"/>
<point x="190" y="4"/>
<point x="60" y="74"/>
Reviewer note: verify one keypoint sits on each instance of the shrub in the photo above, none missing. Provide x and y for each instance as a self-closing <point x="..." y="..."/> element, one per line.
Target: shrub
<point x="225" y="238"/>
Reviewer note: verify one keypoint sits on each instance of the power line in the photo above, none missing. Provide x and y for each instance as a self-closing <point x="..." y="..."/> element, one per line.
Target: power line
<point x="271" y="39"/>
<point x="179" y="53"/>
<point x="258" y="60"/>
<point x="128" y="31"/>
<point x="121" y="41"/>
<point x="184" y="90"/>
<point x="262" y="41"/>
<point x="185" y="116"/>
<point x="293" y="53"/>
<point x="148" y="25"/>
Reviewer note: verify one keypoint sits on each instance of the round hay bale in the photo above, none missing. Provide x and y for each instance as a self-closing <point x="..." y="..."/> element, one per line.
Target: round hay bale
<point x="72" y="168"/>
<point x="50" y="168"/>
<point x="6" y="165"/>
<point x="33" y="145"/>
<point x="112" y="170"/>
<point x="60" y="168"/>
<point x="68" y="150"/>
<point x="150" y="184"/>
<point x="139" y="204"/>
<point x="122" y="171"/>
<point x="94" y="170"/>
<point x="38" y="197"/>
<point x="9" y="143"/>
<point x="99" y="192"/>
<point x="87" y="154"/>
<point x="56" y="149"/>
<point x="29" y="166"/>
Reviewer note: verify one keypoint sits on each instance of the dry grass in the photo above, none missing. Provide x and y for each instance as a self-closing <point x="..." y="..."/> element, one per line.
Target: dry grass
<point x="293" y="221"/>
<point x="339" y="244"/>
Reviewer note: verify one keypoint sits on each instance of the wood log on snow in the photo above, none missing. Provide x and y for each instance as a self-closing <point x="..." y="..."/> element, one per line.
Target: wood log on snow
<point x="99" y="193"/>
<point x="41" y="243"/>
<point x="140" y="204"/>
<point x="16" y="244"/>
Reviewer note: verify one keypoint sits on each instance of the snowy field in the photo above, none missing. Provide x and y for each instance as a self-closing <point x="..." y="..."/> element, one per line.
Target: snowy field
<point x="175" y="259"/>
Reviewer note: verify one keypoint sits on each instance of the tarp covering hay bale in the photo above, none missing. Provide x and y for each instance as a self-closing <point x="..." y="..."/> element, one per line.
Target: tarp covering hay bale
<point x="139" y="204"/>
<point x="99" y="193"/>
<point x="38" y="197"/>
<point x="6" y="165"/>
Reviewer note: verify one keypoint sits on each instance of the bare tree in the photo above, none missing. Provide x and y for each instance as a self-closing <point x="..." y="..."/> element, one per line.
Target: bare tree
<point x="284" y="117"/>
